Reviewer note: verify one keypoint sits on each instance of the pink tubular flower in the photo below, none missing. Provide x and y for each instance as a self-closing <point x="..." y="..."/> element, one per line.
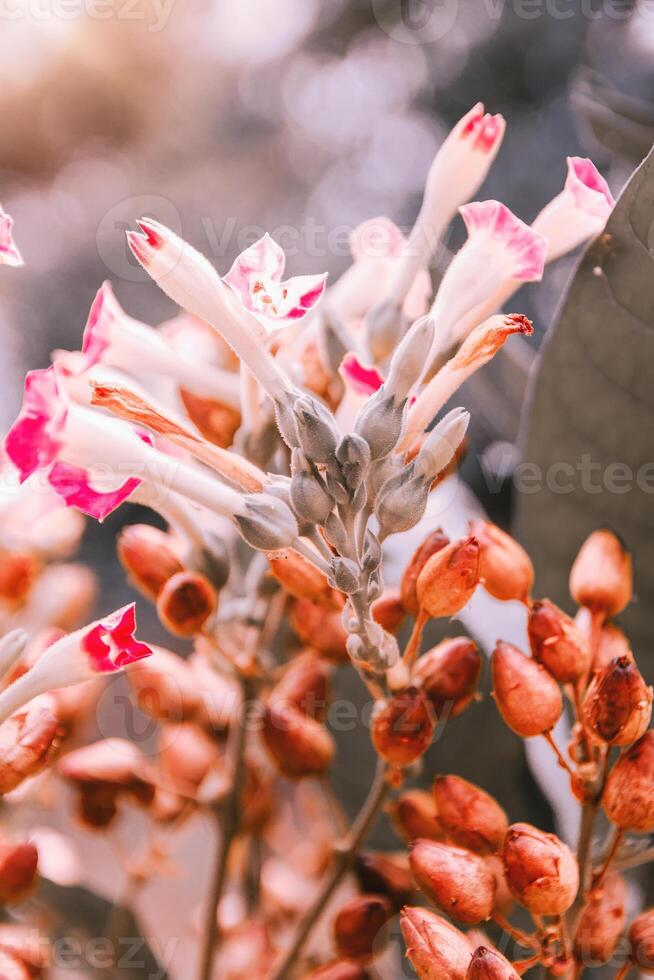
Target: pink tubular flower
<point x="103" y="647"/>
<point x="256" y="278"/>
<point x="190" y="280"/>
<point x="579" y="212"/>
<point x="95" y="462"/>
<point x="500" y="248"/>
<point x="9" y="254"/>
<point x="360" y="379"/>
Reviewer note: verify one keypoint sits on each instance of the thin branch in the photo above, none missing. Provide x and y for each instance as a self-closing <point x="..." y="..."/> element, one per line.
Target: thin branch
<point x="527" y="942"/>
<point x="598" y="878"/>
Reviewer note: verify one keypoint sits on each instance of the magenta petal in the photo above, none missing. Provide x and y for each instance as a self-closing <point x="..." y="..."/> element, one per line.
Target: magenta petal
<point x="103" y="314"/>
<point x="299" y="295"/>
<point x="259" y="263"/>
<point x="34" y="439"/>
<point x="361" y="379"/>
<point x="526" y="247"/>
<point x="589" y="189"/>
<point x="122" y="649"/>
<point x="9" y="254"/>
<point x="72" y="484"/>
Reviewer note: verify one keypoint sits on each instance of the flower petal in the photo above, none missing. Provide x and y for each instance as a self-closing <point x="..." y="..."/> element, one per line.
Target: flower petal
<point x="110" y="644"/>
<point x="103" y="314"/>
<point x="299" y="295"/>
<point x="589" y="189"/>
<point x="35" y="437"/>
<point x="524" y="247"/>
<point x="264" y="260"/>
<point x="9" y="254"/>
<point x="361" y="379"/>
<point x="72" y="484"/>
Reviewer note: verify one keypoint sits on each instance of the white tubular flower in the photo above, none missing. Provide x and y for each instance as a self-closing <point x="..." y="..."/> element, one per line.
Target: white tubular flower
<point x="114" y="338"/>
<point x="441" y="444"/>
<point x="482" y="344"/>
<point x="190" y="280"/>
<point x="105" y="646"/>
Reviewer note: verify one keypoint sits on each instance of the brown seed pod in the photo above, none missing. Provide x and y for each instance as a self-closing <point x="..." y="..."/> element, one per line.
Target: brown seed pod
<point x="414" y="815"/>
<point x="214" y="420"/>
<point x="617" y="708"/>
<point x="505" y="567"/>
<point x="470" y="817"/>
<point x="339" y="970"/>
<point x="601" y="577"/>
<point x="436" y="949"/>
<point x="305" y="684"/>
<point x="528" y="697"/>
<point x="164" y="686"/>
<point x="27" y="740"/>
<point x="601" y="922"/>
<point x="18" y="863"/>
<point x="458" y="881"/>
<point x="148" y="557"/>
<point x="449" y="579"/>
<point x="389" y="611"/>
<point x="540" y="870"/>
<point x="434" y="542"/>
<point x="186" y="602"/>
<point x="301" y="579"/>
<point x="489" y="964"/>
<point x="299" y="745"/>
<point x="449" y="673"/>
<point x="628" y="796"/>
<point x="321" y="629"/>
<point x="359" y="932"/>
<point x="641" y="939"/>
<point x="386" y="874"/>
<point x="611" y="643"/>
<point x="402" y="728"/>
<point x="557" y="643"/>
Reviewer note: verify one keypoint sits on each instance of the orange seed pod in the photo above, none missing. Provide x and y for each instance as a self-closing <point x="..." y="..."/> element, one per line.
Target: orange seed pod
<point x="186" y="602"/>
<point x="471" y="817"/>
<point x="527" y="695"/>
<point x="641" y="939"/>
<point x="557" y="643"/>
<point x="146" y="554"/>
<point x="601" y="577"/>
<point x="449" y="579"/>
<point x="402" y="728"/>
<point x="505" y="567"/>
<point x="359" y="927"/>
<point x="299" y="745"/>
<point x="436" y="949"/>
<point x="489" y="964"/>
<point x="628" y="796"/>
<point x="414" y="815"/>
<point x="541" y="871"/>
<point x="305" y="684"/>
<point x="458" y="881"/>
<point x="601" y="922"/>
<point x="617" y="708"/>
<point x="433" y="543"/>
<point x="449" y="673"/>
<point x="301" y="579"/>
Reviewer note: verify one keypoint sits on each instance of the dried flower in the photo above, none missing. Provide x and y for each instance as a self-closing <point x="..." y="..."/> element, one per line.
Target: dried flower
<point x="641" y="938"/>
<point x="148" y="557"/>
<point x="437" y="950"/>
<point x="469" y="816"/>
<point x="457" y="880"/>
<point x="557" y="643"/>
<point x="186" y="602"/>
<point x="435" y="541"/>
<point x="448" y="674"/>
<point x="449" y="578"/>
<point x="359" y="927"/>
<point x="541" y="871"/>
<point x="402" y="728"/>
<point x="489" y="964"/>
<point x="628" y="796"/>
<point x="601" y="921"/>
<point x="601" y="577"/>
<point x="414" y="815"/>
<point x="527" y="695"/>
<point x="299" y="745"/>
<point x="505" y="567"/>
<point x="617" y="707"/>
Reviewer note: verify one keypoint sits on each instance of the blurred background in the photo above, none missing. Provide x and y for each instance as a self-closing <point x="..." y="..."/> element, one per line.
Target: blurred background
<point x="227" y="118"/>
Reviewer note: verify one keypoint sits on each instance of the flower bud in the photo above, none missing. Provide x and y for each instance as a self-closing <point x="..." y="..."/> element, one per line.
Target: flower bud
<point x="164" y="687"/>
<point x="617" y="707"/>
<point x="402" y="728"/>
<point x="414" y="815"/>
<point x="601" y="577"/>
<point x="346" y="576"/>
<point x="448" y="674"/>
<point x="528" y="697"/>
<point x="359" y="927"/>
<point x="148" y="558"/>
<point x="299" y="745"/>
<point x="557" y="643"/>
<point x="448" y="580"/>
<point x="186" y="602"/>
<point x="18" y="863"/>
<point x="601" y="921"/>
<point x="386" y="874"/>
<point x="380" y="423"/>
<point x="469" y="816"/>
<point x="310" y="498"/>
<point x="458" y="881"/>
<point x="339" y="970"/>
<point x="353" y="455"/>
<point x="434" y="542"/>
<point x="268" y="524"/>
<point x="216" y="421"/>
<point x="316" y="429"/>
<point x="389" y="611"/>
<point x="17" y="575"/>
<point x="489" y="964"/>
<point x="305" y="684"/>
<point x="300" y="578"/>
<point x="410" y="358"/>
<point x="540" y="870"/>
<point x="628" y="796"/>
<point x="505" y="567"/>
<point x="436" y="949"/>
<point x="641" y="938"/>
<point x="321" y="629"/>
<point x="27" y="739"/>
<point x="440" y="445"/>
<point x="401" y="501"/>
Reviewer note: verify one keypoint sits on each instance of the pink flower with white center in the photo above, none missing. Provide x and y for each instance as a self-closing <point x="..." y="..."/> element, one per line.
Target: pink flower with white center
<point x="95" y="462"/>
<point x="114" y="338"/>
<point x="9" y="254"/>
<point x="190" y="280"/>
<point x="105" y="646"/>
<point x="377" y="247"/>
<point x="579" y="212"/>
<point x="500" y="249"/>
<point x="256" y="278"/>
<point x="362" y="380"/>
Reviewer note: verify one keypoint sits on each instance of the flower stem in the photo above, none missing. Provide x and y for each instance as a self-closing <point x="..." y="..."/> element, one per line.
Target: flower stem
<point x="343" y="859"/>
<point x="598" y="879"/>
